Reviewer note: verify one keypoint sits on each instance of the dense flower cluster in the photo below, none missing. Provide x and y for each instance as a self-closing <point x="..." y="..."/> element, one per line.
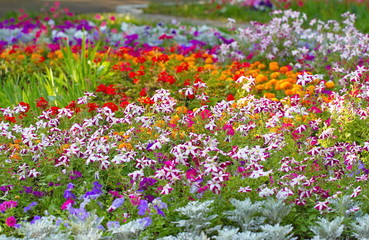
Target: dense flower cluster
<point x="182" y="115"/>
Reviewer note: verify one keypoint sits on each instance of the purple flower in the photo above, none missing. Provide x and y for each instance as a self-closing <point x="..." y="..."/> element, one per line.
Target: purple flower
<point x="35" y="218"/>
<point x="159" y="211"/>
<point x="149" y="198"/>
<point x="142" y="207"/>
<point x="38" y="193"/>
<point x="146" y="221"/>
<point x="27" y="189"/>
<point x="147" y="182"/>
<point x="96" y="191"/>
<point x="29" y="207"/>
<point x="68" y="193"/>
<point x="113" y="224"/>
<point x="81" y="213"/>
<point x="75" y="175"/>
<point x="197" y="42"/>
<point x="116" y="204"/>
<point x="362" y="167"/>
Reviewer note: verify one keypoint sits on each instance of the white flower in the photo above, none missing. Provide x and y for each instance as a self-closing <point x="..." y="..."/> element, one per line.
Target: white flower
<point x="265" y="192"/>
<point x="245" y="189"/>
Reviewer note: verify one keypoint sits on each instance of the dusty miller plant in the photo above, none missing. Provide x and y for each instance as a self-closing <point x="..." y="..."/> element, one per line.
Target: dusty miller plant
<point x="328" y="230"/>
<point x="198" y="216"/>
<point x="245" y="214"/>
<point x="130" y="230"/>
<point x="275" y="210"/>
<point x="4" y="237"/>
<point x="278" y="232"/>
<point x="230" y="233"/>
<point x="361" y="228"/>
<point x="187" y="236"/>
<point x="44" y="228"/>
<point x="343" y="204"/>
<point x="87" y="228"/>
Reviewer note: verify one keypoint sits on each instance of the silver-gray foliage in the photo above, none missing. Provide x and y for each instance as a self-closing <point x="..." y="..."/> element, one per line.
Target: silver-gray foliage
<point x="130" y="230"/>
<point x="328" y="230"/>
<point x="250" y="236"/>
<point x="342" y="205"/>
<point x="86" y="229"/>
<point x="230" y="233"/>
<point x="245" y="214"/>
<point x="278" y="232"/>
<point x="361" y="228"/>
<point x="275" y="210"/>
<point x="187" y="236"/>
<point x="198" y="216"/>
<point x="4" y="237"/>
<point x="227" y="233"/>
<point x="44" y="228"/>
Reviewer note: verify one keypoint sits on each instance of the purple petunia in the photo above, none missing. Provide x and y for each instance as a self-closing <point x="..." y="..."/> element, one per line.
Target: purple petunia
<point x="142" y="207"/>
<point x="116" y="204"/>
<point x="29" y="207"/>
<point x="95" y="192"/>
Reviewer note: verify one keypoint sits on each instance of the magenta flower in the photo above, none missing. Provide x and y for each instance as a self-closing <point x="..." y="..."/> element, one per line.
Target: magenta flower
<point x="11" y="221"/>
<point x="66" y="204"/>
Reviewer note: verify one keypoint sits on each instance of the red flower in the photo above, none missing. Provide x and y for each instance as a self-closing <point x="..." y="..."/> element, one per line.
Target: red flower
<point x="26" y="105"/>
<point x="164" y="36"/>
<point x="132" y="74"/>
<point x="145" y="100"/>
<point x="191" y="96"/>
<point x="187" y="82"/>
<point x="112" y="106"/>
<point x="42" y="103"/>
<point x="143" y="92"/>
<point x="110" y="90"/>
<point x="10" y="119"/>
<point x="54" y="110"/>
<point x="92" y="107"/>
<point x="165" y="77"/>
<point x="183" y="67"/>
<point x="73" y="106"/>
<point x="101" y="88"/>
<point x="124" y="104"/>
<point x="230" y="97"/>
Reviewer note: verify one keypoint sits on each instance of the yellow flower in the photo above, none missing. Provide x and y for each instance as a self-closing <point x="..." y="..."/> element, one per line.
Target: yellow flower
<point x="261" y="66"/>
<point x="261" y="78"/>
<point x="275" y="75"/>
<point x="273" y="66"/>
<point x="329" y="84"/>
<point x="174" y="119"/>
<point x="126" y="146"/>
<point x="209" y="60"/>
<point x="269" y="95"/>
<point x="182" y="110"/>
<point x="285" y="85"/>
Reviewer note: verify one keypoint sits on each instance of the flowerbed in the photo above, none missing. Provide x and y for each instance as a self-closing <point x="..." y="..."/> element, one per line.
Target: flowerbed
<point x="116" y="131"/>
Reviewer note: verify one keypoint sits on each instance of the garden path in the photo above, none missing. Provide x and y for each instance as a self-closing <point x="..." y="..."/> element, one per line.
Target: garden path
<point x="128" y="7"/>
<point x="75" y="6"/>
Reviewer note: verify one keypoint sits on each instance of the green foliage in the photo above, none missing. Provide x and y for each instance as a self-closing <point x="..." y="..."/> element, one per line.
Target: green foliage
<point x="319" y="9"/>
